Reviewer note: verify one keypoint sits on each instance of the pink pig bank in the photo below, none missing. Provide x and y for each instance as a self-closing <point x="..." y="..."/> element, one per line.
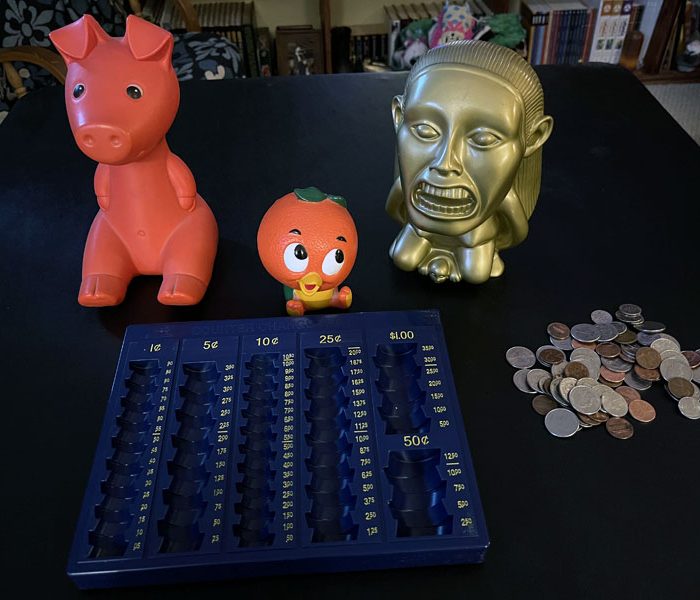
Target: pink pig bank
<point x="121" y="96"/>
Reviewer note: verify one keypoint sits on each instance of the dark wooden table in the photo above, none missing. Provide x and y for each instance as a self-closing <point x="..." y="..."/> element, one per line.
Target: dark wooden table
<point x="617" y="221"/>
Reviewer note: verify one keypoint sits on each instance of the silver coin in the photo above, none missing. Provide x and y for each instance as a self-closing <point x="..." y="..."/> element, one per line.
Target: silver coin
<point x="558" y="369"/>
<point x="561" y="422"/>
<point x="520" y="381"/>
<point x="534" y="376"/>
<point x="689" y="407"/>
<point x="584" y="400"/>
<point x="674" y="367"/>
<point x="616" y="364"/>
<point x="696" y="375"/>
<point x="696" y="391"/>
<point x="565" y="386"/>
<point x="668" y="336"/>
<point x="646" y="339"/>
<point x="665" y="344"/>
<point x="585" y="332"/>
<point x="630" y="309"/>
<point x="601" y="316"/>
<point x="600" y="389"/>
<point x="672" y="354"/>
<point x="520" y="357"/>
<point x="587" y="381"/>
<point x="614" y="404"/>
<point x="543" y="383"/>
<point x="621" y="327"/>
<point x="592" y="364"/>
<point x="587" y="352"/>
<point x="607" y="332"/>
<point x="630" y="320"/>
<point x="636" y="383"/>
<point x="554" y="392"/>
<point x="651" y="327"/>
<point x="564" y="344"/>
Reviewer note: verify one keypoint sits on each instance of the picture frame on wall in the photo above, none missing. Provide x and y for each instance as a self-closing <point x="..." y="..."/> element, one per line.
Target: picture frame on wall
<point x="299" y="50"/>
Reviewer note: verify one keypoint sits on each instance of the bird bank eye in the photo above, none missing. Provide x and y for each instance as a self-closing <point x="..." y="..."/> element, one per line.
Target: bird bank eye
<point x="296" y="258"/>
<point x="333" y="261"/>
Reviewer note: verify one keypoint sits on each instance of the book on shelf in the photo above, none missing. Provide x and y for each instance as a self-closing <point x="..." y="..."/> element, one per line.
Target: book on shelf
<point x="232" y="20"/>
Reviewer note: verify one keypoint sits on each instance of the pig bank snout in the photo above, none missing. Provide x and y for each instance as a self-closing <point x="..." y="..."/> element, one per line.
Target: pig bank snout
<point x="104" y="143"/>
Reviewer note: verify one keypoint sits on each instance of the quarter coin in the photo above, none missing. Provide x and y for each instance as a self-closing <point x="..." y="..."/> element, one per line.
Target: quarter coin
<point x="584" y="400"/>
<point x="614" y="404"/>
<point x="619" y="428"/>
<point x="520" y="381"/>
<point x="585" y="332"/>
<point x="561" y="422"/>
<point x="675" y="367"/>
<point x="600" y="317"/>
<point x="607" y="332"/>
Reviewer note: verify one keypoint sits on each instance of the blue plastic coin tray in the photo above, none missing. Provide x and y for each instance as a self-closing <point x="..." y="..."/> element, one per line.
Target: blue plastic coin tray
<point x="284" y="445"/>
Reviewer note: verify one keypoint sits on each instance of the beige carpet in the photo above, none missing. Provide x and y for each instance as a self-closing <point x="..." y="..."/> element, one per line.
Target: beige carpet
<point x="682" y="101"/>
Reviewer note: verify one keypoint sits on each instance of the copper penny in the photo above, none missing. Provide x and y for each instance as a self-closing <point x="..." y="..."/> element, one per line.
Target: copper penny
<point x="577" y="344"/>
<point x="628" y="393"/>
<point x="610" y="384"/>
<point x="558" y="331"/>
<point x="642" y="411"/>
<point x="611" y="376"/>
<point x="628" y="337"/>
<point x="600" y="416"/>
<point x="647" y="374"/>
<point x="543" y="404"/>
<point x="552" y="356"/>
<point x="576" y="370"/>
<point x="693" y="358"/>
<point x="679" y="387"/>
<point x="619" y="428"/>
<point x="588" y="420"/>
<point x="608" y="350"/>
<point x="648" y="358"/>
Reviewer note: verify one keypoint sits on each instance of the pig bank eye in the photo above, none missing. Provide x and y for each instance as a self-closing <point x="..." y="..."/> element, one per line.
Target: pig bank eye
<point x="296" y="258"/>
<point x="134" y="92"/>
<point x="333" y="262"/>
<point x="78" y="90"/>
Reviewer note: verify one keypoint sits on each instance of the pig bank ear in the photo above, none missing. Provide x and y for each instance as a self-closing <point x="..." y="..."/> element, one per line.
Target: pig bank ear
<point x="77" y="40"/>
<point x="147" y="41"/>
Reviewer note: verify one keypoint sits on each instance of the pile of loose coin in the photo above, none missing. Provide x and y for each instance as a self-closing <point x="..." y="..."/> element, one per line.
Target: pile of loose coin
<point x="611" y="362"/>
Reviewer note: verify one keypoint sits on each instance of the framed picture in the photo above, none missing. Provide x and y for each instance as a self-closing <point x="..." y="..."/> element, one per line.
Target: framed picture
<point x="299" y="50"/>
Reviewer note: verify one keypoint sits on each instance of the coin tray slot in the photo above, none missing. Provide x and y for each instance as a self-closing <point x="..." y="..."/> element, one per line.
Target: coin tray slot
<point x="332" y="501"/>
<point x="402" y="399"/>
<point x="115" y="511"/>
<point x="257" y="485"/>
<point x="418" y="492"/>
<point x="184" y="497"/>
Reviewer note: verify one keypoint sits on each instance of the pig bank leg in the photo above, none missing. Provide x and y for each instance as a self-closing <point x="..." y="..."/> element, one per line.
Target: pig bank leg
<point x="107" y="266"/>
<point x="188" y="258"/>
<point x="476" y="264"/>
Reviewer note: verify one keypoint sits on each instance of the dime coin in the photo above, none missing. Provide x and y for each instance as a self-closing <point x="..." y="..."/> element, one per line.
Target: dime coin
<point x="585" y="332"/>
<point x="647" y="374"/>
<point x="679" y="387"/>
<point x="564" y="344"/>
<point x="584" y="400"/>
<point x="689" y="407"/>
<point x="614" y="404"/>
<point x="616" y="364"/>
<point x="543" y="404"/>
<point x="693" y="358"/>
<point x="561" y="422"/>
<point x="619" y="428"/>
<point x="558" y="369"/>
<point x="631" y="320"/>
<point x="558" y="331"/>
<point x="628" y="393"/>
<point x="600" y="317"/>
<point x="642" y="411"/>
<point x="520" y="357"/>
<point x="619" y="326"/>
<point x="565" y="386"/>
<point x="634" y="382"/>
<point x="648" y="358"/>
<point x="607" y="332"/>
<point x="576" y="370"/>
<point x="675" y="367"/>
<point x="651" y="327"/>
<point x="630" y="309"/>
<point x="520" y="381"/>
<point x="551" y="356"/>
<point x="609" y="350"/>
